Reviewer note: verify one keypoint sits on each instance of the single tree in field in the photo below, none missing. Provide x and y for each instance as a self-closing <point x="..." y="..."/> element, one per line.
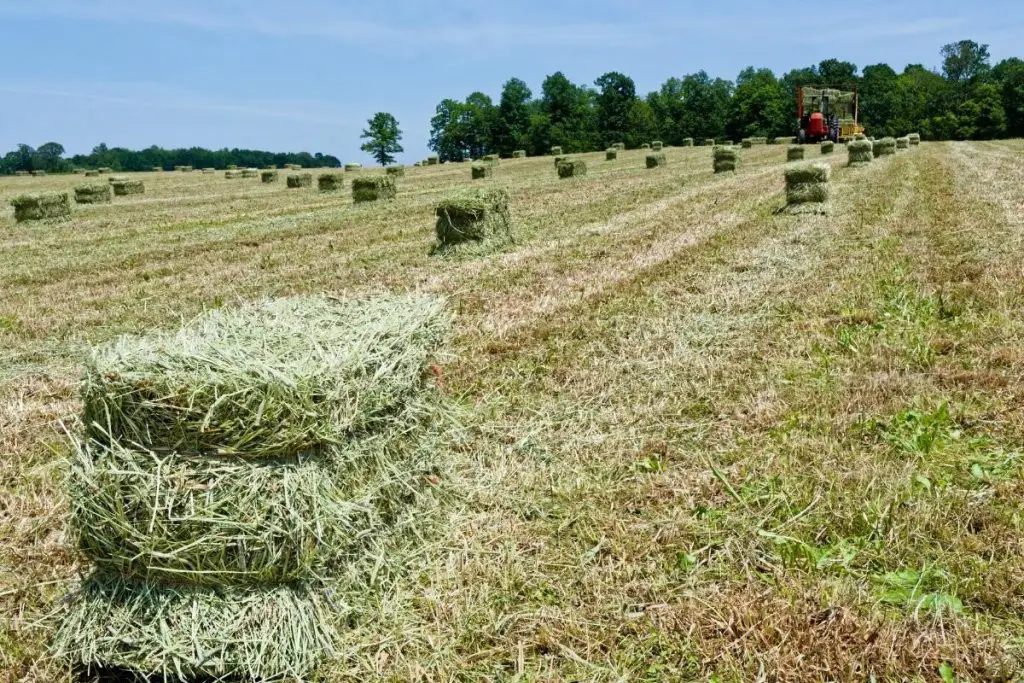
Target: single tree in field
<point x="383" y="136"/>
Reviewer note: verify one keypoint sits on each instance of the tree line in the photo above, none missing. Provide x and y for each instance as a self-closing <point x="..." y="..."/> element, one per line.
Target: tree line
<point x="49" y="157"/>
<point x="969" y="99"/>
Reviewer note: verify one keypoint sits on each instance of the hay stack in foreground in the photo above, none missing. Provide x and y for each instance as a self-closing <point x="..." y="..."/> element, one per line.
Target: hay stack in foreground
<point x="96" y="193"/>
<point x="374" y="188"/>
<point x="230" y="469"/>
<point x="397" y="171"/>
<point x="473" y="216"/>
<point x="827" y="147"/>
<point x="298" y="180"/>
<point x="884" y="147"/>
<point x="903" y="143"/>
<point x="725" y="159"/>
<point x="795" y="153"/>
<point x="481" y="171"/>
<point x="569" y="168"/>
<point x="807" y="184"/>
<point x="35" y="207"/>
<point x="268" y="176"/>
<point x="656" y="159"/>
<point x="860" y="152"/>
<point x="124" y="188"/>
<point x="330" y="182"/>
<point x="611" y="154"/>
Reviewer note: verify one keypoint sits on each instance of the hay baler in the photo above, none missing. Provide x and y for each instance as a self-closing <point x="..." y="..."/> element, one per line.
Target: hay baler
<point x="825" y="113"/>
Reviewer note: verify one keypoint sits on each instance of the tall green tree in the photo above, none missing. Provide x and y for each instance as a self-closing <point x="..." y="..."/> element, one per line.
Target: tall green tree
<point x="705" y="106"/>
<point x="759" y="106"/>
<point x="570" y="112"/>
<point x="445" y="132"/>
<point x="965" y="61"/>
<point x="478" y="124"/>
<point x="382" y="138"/>
<point x="1009" y="76"/>
<point x="513" y="122"/>
<point x="615" y="99"/>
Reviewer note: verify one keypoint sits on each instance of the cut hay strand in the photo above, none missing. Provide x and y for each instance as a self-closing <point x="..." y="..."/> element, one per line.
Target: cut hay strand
<point x="481" y="171"/>
<point x="725" y="159"/>
<point x="884" y="147"/>
<point x="352" y="167"/>
<point x="398" y="171"/>
<point x="519" y="154"/>
<point x="807" y="184"/>
<point x="827" y="147"/>
<point x="611" y="154"/>
<point x="687" y="142"/>
<point x="268" y="176"/>
<point x="35" y="207"/>
<point x="124" y="188"/>
<point x="473" y="216"/>
<point x="94" y="194"/>
<point x="860" y="152"/>
<point x="656" y="160"/>
<point x="315" y="371"/>
<point x="571" y="168"/>
<point x="374" y="188"/>
<point x="330" y="182"/>
<point x="656" y="146"/>
<point x="903" y="143"/>
<point x="300" y="180"/>
<point x="432" y="160"/>
<point x="556" y="150"/>
<point x="795" y="153"/>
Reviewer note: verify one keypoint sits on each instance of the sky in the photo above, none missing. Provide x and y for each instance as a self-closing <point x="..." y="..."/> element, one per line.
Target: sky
<point x="305" y="75"/>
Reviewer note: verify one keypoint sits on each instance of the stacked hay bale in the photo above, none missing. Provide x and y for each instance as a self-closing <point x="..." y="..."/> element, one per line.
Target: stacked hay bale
<point x="884" y="147"/>
<point x="556" y="150"/>
<point x="35" y="207"/>
<point x="472" y="217"/>
<point x="570" y="168"/>
<point x="795" y="153"/>
<point x="903" y="143"/>
<point x="611" y="154"/>
<point x="915" y="139"/>
<point x="123" y="188"/>
<point x="432" y="160"/>
<point x="807" y="184"/>
<point x="397" y="171"/>
<point x="687" y="142"/>
<point x="117" y="179"/>
<point x="300" y="180"/>
<point x="656" y="146"/>
<point x="725" y="159"/>
<point x="519" y="154"/>
<point x="827" y="147"/>
<point x="96" y="193"/>
<point x="481" y="171"/>
<point x="860" y="152"/>
<point x="330" y="182"/>
<point x="352" y="167"/>
<point x="373" y="189"/>
<point x="229" y="470"/>
<point x="268" y="176"/>
<point x="251" y="173"/>
<point x="656" y="159"/>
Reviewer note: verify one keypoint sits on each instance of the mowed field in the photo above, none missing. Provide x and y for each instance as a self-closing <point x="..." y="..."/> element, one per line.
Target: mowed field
<point x="703" y="440"/>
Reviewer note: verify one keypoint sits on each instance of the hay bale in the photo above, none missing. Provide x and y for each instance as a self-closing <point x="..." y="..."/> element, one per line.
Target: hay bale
<point x="570" y="168"/>
<point x="745" y="143"/>
<point x="556" y="150"/>
<point x="884" y="147"/>
<point x="373" y="189"/>
<point x="330" y="182"/>
<point x="758" y="141"/>
<point x="186" y="169"/>
<point x="481" y="171"/>
<point x="35" y="207"/>
<point x="251" y="173"/>
<point x="620" y="146"/>
<point x="785" y="140"/>
<point x="432" y="160"/>
<point x="232" y="175"/>
<point x="709" y="142"/>
<point x="860" y="152"/>
<point x="903" y="143"/>
<point x="611" y="154"/>
<point x="88" y="174"/>
<point x="827" y="147"/>
<point x="268" y="176"/>
<point x="117" y="179"/>
<point x="128" y="187"/>
<point x="293" y="167"/>
<point x="417" y="164"/>
<point x="657" y="159"/>
<point x="795" y="153"/>
<point x="656" y="146"/>
<point x="725" y="159"/>
<point x="22" y="173"/>
<point x="352" y="167"/>
<point x="39" y="173"/>
<point x="472" y="216"/>
<point x="646" y="146"/>
<point x="96" y="193"/>
<point x="158" y="169"/>
<point x="209" y="170"/>
<point x="519" y="154"/>
<point x="104" y="169"/>
<point x="915" y="139"/>
<point x="558" y="160"/>
<point x="232" y="167"/>
<point x="687" y="142"/>
<point x="398" y="171"/>
<point x="300" y="180"/>
<point x="493" y="159"/>
<point x="807" y="184"/>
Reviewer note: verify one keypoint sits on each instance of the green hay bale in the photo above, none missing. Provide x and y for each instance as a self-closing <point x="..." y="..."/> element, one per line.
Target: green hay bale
<point x="725" y="159"/>
<point x="352" y="167"/>
<point x="473" y="216"/>
<point x="104" y="169"/>
<point x="807" y="184"/>
<point x="268" y="176"/>
<point x="22" y="173"/>
<point x="620" y="146"/>
<point x="860" y="152"/>
<point x="300" y="180"/>
<point x="915" y="139"/>
<point x="745" y="143"/>
<point x="330" y="182"/>
<point x="785" y="140"/>
<point x="656" y="146"/>
<point x="97" y="193"/>
<point x="795" y="153"/>
<point x="481" y="171"/>
<point x="492" y="159"/>
<point x="185" y="169"/>
<point x="432" y="160"/>
<point x="398" y="171"/>
<point x="656" y="160"/>
<point x="709" y="142"/>
<point x="91" y="174"/>
<point x="373" y="189"/>
<point x="209" y="171"/>
<point x="570" y="168"/>
<point x="251" y="173"/>
<point x="884" y="147"/>
<point x="687" y="142"/>
<point x="128" y="187"/>
<point x="188" y="633"/>
<point x="556" y="150"/>
<point x="647" y="145"/>
<point x="35" y="207"/>
<point x="232" y="175"/>
<point x="315" y="370"/>
<point x="232" y="167"/>
<point x="827" y="147"/>
<point x="611" y="154"/>
<point x="158" y="169"/>
<point x="519" y="154"/>
<point x="39" y="173"/>
<point x="558" y="160"/>
<point x="903" y="143"/>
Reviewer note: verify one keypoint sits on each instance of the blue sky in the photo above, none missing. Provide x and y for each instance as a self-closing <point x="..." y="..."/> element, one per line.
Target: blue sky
<point x="306" y="74"/>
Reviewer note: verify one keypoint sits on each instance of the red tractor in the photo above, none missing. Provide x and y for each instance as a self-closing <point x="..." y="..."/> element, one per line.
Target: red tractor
<point x="826" y="114"/>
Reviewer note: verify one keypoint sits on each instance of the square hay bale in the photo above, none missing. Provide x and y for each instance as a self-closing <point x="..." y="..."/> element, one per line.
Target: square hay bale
<point x="268" y="176"/>
<point x="96" y="193"/>
<point x="860" y="152"/>
<point x="519" y="154"/>
<point x="104" y="169"/>
<point x="481" y="171"/>
<point x="655" y="160"/>
<point x="827" y="147"/>
<point x="330" y="182"/>
<point x="88" y="174"/>
<point x="300" y="180"/>
<point x="352" y="167"/>
<point x="725" y="159"/>
<point x="250" y="173"/>
<point x="915" y="139"/>
<point x="186" y="169"/>
<point x="611" y="154"/>
<point x="232" y="167"/>
<point x="209" y="170"/>
<point x="39" y="173"/>
<point x="35" y="207"/>
<point x="795" y="153"/>
<point x="903" y="143"/>
<point x="472" y="216"/>
<point x="128" y="187"/>
<point x="647" y="145"/>
<point x="432" y="160"/>
<point x="417" y="164"/>
<point x="709" y="142"/>
<point x="745" y="143"/>
<point x="571" y="168"/>
<point x="785" y="140"/>
<point x="884" y="147"/>
<point x="117" y="179"/>
<point x="398" y="171"/>
<point x="621" y="146"/>
<point x="807" y="184"/>
<point x="558" y="160"/>
<point x="158" y="169"/>
<point x="687" y="142"/>
<point x="22" y="173"/>
<point x="374" y="188"/>
<point x="491" y="159"/>
<point x="656" y="146"/>
<point x="293" y="167"/>
<point x="233" y="174"/>
<point x="556" y="150"/>
<point x="758" y="141"/>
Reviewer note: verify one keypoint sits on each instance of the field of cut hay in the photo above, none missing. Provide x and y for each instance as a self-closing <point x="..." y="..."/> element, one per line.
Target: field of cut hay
<point x="695" y="437"/>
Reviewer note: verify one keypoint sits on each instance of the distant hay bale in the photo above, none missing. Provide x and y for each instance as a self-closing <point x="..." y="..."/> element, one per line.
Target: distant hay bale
<point x="232" y="167"/>
<point x="860" y="152"/>
<point x="186" y="169"/>
<point x="620" y="146"/>
<point x="104" y="169"/>
<point x="655" y="160"/>
<point x="647" y="145"/>
<point x="481" y="171"/>
<point x="611" y="154"/>
<point x="398" y="171"/>
<point x="300" y="180"/>
<point x="785" y="140"/>
<point x="758" y="140"/>
<point x="128" y="187"/>
<point x="432" y="160"/>
<point x="884" y="147"/>
<point x="417" y="164"/>
<point x="827" y="147"/>
<point x="88" y="174"/>
<point x="251" y="173"/>
<point x="570" y="168"/>
<point x="745" y="143"/>
<point x="268" y="176"/>
<point x="35" y="207"/>
<point x="330" y="182"/>
<point x="556" y="150"/>
<point x="293" y="167"/>
<point x="232" y="174"/>
<point x="915" y="139"/>
<point x="96" y="193"/>
<point x="519" y="154"/>
<point x="725" y="159"/>
<point x="22" y="173"/>
<point x="352" y="167"/>
<point x="656" y="146"/>
<point x="687" y="142"/>
<point x="117" y="179"/>
<point x="807" y="184"/>
<point x="373" y="189"/>
<point x="709" y="142"/>
<point x="209" y="170"/>
<point x="158" y="169"/>
<point x="492" y="159"/>
<point x="903" y="143"/>
<point x="795" y="153"/>
<point x="39" y="173"/>
<point x="559" y="159"/>
<point x="472" y="216"/>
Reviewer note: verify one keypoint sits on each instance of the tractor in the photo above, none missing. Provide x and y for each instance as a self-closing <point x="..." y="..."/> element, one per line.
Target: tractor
<point x="825" y="113"/>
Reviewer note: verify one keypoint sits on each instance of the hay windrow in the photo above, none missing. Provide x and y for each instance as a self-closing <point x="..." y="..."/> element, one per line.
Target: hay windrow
<point x="374" y="188"/>
<point x="570" y="168"/>
<point x="656" y="160"/>
<point x="795" y="153"/>
<point x="300" y="180"/>
<point x="330" y="182"/>
<point x="128" y="187"/>
<point x="97" y="193"/>
<point x="725" y="159"/>
<point x="34" y="207"/>
<point x="473" y="216"/>
<point x="860" y="152"/>
<point x="315" y="371"/>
